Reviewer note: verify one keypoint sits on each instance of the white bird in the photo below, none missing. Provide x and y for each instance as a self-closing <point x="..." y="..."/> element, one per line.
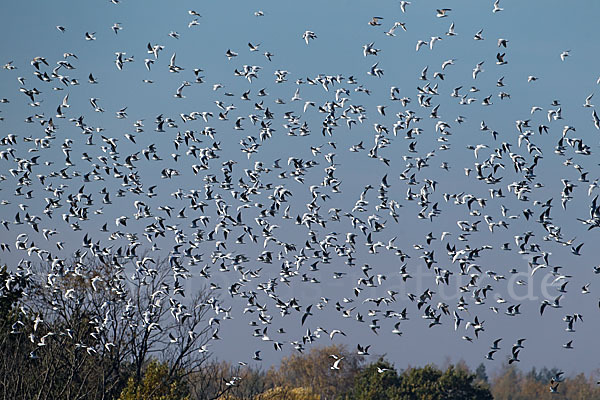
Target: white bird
<point x="336" y="363"/>
<point x="451" y="30"/>
<point x="335" y="332"/>
<point x="497" y="7"/>
<point x="443" y="12"/>
<point x="457" y="320"/>
<point x="179" y="92"/>
<point x="477" y="69"/>
<point x="148" y="62"/>
<point x="495" y="345"/>
<point x="596" y="119"/>
<point x="230" y="54"/>
<point x="363" y="351"/>
<point x="308" y="35"/>
<point x="421" y="43"/>
<point x="374" y="71"/>
<point x="479" y="147"/>
<point x="433" y="40"/>
<point x="447" y="63"/>
<point x="116" y="27"/>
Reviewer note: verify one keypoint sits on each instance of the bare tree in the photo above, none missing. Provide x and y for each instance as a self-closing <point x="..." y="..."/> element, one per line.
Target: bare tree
<point x="216" y="379"/>
<point x="85" y="327"/>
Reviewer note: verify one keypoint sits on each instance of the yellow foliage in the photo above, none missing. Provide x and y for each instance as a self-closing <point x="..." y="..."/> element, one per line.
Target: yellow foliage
<point x="287" y="393"/>
<point x="154" y="385"/>
<point x="313" y="370"/>
<point x="227" y="397"/>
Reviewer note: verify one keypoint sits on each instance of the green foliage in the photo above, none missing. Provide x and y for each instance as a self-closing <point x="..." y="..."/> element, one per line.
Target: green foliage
<point x="481" y="373"/>
<point x="157" y="384"/>
<point x="421" y="383"/>
<point x="381" y="381"/>
<point x="543" y="375"/>
<point x="430" y="383"/>
<point x="460" y="384"/>
<point x="377" y="381"/>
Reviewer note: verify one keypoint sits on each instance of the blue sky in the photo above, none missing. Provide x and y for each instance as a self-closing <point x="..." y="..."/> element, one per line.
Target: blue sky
<point x="537" y="36"/>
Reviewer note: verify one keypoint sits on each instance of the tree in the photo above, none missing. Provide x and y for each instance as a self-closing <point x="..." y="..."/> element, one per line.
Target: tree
<point x="12" y="287"/>
<point x="580" y="387"/>
<point x="460" y="384"/>
<point x="15" y="348"/>
<point x="313" y="370"/>
<point x="377" y="381"/>
<point x="421" y="383"/>
<point x="224" y="381"/>
<point x="288" y="393"/>
<point x="430" y="383"/>
<point x="156" y="384"/>
<point x="83" y="327"/>
<point x="505" y="384"/>
<point x="481" y="374"/>
<point x="512" y="384"/>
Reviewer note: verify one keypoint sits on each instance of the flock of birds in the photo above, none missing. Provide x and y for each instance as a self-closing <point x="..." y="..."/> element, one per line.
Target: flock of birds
<point x="242" y="220"/>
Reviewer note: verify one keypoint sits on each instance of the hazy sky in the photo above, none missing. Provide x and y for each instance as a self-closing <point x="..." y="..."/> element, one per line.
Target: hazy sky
<point x="536" y="38"/>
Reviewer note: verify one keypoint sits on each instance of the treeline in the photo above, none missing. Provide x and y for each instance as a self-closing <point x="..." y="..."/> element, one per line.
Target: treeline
<point x="95" y="332"/>
<point x="309" y="377"/>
